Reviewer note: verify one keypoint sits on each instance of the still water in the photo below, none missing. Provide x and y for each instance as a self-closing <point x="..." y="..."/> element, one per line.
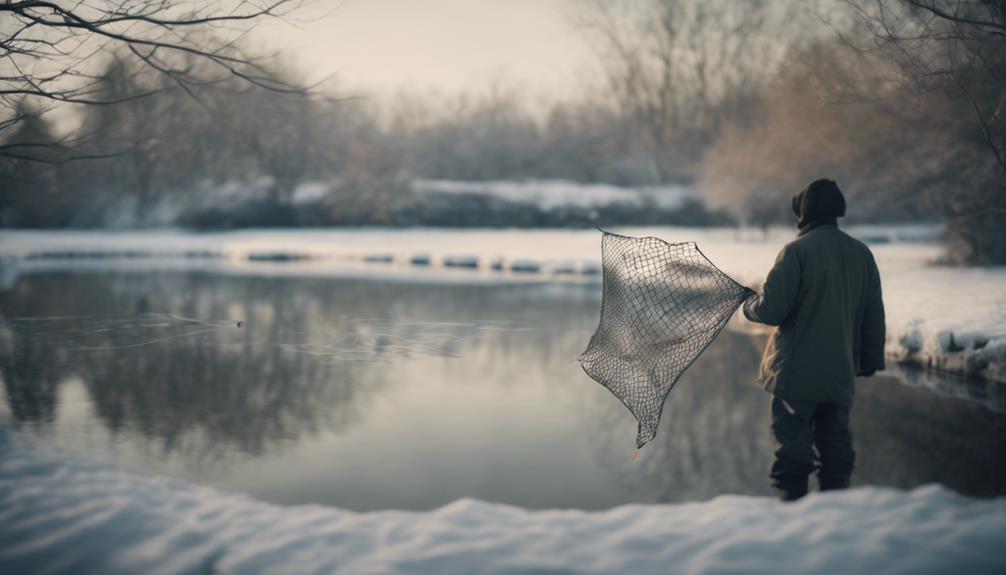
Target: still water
<point x="374" y="394"/>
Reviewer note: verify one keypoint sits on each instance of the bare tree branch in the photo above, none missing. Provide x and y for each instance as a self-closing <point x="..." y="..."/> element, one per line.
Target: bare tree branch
<point x="49" y="49"/>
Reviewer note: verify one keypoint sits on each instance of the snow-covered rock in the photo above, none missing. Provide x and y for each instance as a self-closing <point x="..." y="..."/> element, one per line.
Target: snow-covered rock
<point x="60" y="513"/>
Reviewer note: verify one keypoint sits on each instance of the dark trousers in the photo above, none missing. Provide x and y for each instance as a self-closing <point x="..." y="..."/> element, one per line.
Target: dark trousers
<point x="810" y="436"/>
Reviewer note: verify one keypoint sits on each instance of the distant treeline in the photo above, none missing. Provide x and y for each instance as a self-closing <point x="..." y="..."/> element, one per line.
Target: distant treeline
<point x="234" y="156"/>
<point x="689" y="96"/>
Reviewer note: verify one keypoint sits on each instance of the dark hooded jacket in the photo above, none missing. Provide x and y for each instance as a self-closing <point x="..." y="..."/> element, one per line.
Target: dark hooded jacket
<point x="824" y="296"/>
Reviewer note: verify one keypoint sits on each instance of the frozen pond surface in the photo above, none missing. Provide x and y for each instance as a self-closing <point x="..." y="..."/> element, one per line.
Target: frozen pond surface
<point x="367" y="394"/>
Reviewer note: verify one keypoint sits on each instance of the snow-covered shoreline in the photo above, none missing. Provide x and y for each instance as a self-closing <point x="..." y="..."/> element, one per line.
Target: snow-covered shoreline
<point x="943" y="318"/>
<point x="61" y="513"/>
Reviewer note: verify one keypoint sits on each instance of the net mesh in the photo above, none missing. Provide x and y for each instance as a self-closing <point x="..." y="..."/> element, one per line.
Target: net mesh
<point x="663" y="304"/>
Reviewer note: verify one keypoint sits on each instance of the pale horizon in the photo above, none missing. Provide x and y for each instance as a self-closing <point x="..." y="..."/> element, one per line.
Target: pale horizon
<point x="385" y="47"/>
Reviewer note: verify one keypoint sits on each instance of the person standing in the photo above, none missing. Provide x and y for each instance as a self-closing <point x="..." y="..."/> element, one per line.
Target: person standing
<point x="823" y="295"/>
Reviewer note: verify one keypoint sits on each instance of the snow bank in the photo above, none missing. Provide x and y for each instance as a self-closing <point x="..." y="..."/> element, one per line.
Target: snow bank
<point x="550" y="195"/>
<point x="952" y="320"/>
<point x="63" y="514"/>
<point x="310" y="192"/>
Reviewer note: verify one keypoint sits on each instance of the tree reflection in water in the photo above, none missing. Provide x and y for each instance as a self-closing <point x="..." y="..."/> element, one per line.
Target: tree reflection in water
<point x="434" y="370"/>
<point x="305" y="356"/>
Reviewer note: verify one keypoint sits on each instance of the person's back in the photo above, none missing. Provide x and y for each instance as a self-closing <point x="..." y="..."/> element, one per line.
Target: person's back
<point x="824" y="295"/>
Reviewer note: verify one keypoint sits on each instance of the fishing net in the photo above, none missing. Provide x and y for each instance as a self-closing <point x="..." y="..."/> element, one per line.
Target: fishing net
<point x="663" y="304"/>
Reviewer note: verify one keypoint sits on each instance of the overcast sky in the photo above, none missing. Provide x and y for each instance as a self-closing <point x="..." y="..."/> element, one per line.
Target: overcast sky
<point x="444" y="45"/>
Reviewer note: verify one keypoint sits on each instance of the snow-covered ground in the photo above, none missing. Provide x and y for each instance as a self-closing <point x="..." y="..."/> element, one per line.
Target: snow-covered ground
<point x="946" y="317"/>
<point x="60" y="513"/>
<point x="549" y="195"/>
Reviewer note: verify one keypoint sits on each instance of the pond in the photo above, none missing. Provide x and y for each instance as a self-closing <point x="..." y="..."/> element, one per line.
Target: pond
<point x="377" y="394"/>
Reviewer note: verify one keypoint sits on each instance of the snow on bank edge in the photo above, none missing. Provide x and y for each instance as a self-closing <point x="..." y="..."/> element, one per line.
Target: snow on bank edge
<point x="60" y="513"/>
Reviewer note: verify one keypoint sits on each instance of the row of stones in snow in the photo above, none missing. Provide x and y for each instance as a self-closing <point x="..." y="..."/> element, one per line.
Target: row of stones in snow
<point x="472" y="262"/>
<point x="499" y="264"/>
<point x="520" y="265"/>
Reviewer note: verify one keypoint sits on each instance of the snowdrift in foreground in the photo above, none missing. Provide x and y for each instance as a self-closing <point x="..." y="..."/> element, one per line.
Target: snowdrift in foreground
<point x="62" y="514"/>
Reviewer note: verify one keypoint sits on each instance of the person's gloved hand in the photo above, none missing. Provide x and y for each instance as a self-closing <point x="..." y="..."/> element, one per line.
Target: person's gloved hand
<point x="748" y="292"/>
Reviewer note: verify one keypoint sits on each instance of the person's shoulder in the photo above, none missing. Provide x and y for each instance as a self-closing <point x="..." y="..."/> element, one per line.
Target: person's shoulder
<point x="802" y="241"/>
<point x="825" y="238"/>
<point x="854" y="241"/>
<point x="857" y="245"/>
<point x="793" y="249"/>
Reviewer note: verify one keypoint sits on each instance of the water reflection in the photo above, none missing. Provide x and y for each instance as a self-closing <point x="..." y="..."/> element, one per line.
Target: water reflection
<point x="369" y="394"/>
<point x="293" y="365"/>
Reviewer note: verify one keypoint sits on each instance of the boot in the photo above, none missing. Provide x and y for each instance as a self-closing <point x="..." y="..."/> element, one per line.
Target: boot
<point x="831" y="482"/>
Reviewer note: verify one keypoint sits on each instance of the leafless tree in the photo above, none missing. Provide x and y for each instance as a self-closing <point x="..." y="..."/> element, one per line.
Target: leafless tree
<point x="49" y="53"/>
<point x="953" y="47"/>
<point x="947" y="43"/>
<point x="681" y="69"/>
